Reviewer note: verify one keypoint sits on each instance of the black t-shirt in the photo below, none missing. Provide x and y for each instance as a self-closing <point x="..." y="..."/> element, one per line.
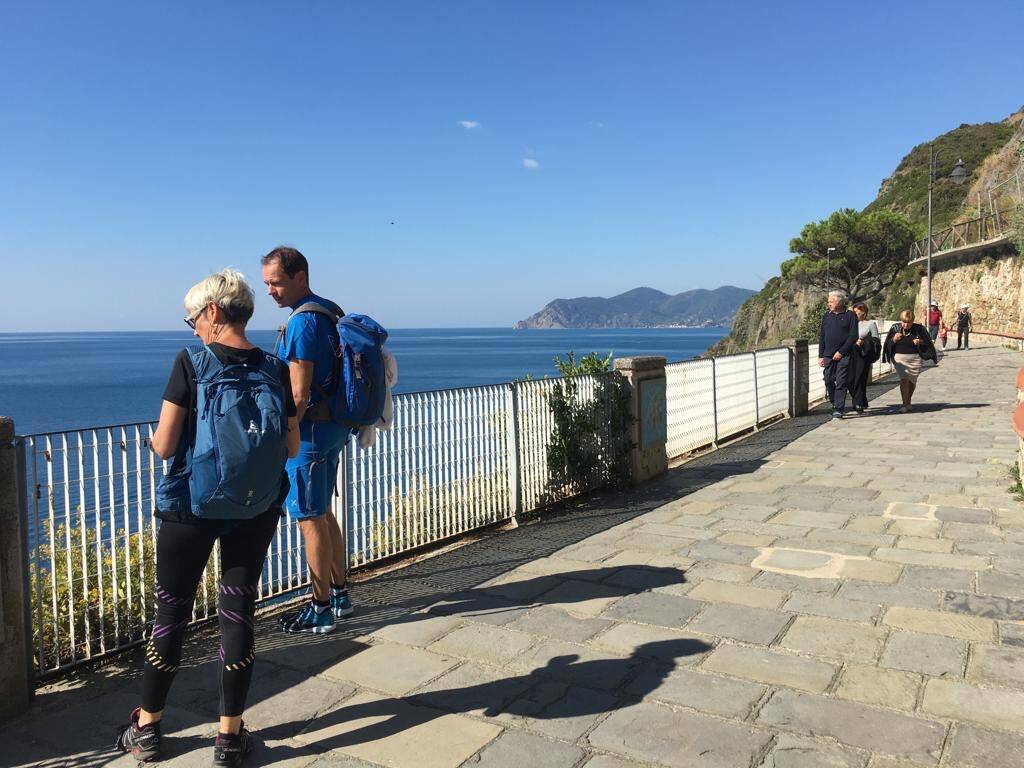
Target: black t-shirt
<point x="963" y="320"/>
<point x="181" y="390"/>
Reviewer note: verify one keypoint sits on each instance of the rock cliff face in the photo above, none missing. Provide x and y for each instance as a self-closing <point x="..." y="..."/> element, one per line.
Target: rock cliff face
<point x="767" y="317"/>
<point x="642" y="308"/>
<point x="993" y="286"/>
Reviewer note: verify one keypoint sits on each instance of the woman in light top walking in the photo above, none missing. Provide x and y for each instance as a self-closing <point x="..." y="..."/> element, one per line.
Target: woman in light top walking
<point x="868" y="350"/>
<point x="907" y="346"/>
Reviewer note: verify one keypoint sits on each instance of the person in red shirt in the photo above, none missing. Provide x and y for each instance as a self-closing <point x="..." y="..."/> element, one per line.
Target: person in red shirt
<point x="934" y="320"/>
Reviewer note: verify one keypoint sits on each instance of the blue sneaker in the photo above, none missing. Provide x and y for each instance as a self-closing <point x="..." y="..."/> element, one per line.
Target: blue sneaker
<point x="308" y="620"/>
<point x="341" y="606"/>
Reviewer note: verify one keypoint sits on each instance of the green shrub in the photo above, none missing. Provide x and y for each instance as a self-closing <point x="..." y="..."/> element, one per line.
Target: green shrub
<point x="1018" y="228"/>
<point x="1016" y="489"/>
<point x="811" y="324"/>
<point x="589" y="447"/>
<point x="68" y="599"/>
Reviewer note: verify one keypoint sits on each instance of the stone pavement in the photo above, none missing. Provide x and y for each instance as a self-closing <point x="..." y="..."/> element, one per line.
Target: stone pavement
<point x="819" y="595"/>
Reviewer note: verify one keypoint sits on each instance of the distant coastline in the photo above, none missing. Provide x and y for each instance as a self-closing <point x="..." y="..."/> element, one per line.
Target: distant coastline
<point x="678" y="327"/>
<point x="643" y="308"/>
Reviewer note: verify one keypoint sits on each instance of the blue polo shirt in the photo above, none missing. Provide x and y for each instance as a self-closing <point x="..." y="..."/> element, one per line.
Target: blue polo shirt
<point x="312" y="337"/>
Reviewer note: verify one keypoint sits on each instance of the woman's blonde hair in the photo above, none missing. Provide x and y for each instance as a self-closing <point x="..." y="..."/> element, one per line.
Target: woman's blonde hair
<point x="907" y="315"/>
<point x="228" y="290"/>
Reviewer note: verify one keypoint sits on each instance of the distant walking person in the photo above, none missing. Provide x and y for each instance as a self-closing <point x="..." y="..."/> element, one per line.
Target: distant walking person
<point x="228" y="423"/>
<point x="907" y="345"/>
<point x="934" y="320"/>
<point x="964" y="326"/>
<point x="836" y="341"/>
<point x="310" y="345"/>
<point x="867" y="350"/>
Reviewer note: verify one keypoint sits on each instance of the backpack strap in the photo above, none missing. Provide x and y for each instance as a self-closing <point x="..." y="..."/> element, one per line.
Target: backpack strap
<point x="330" y="310"/>
<point x="333" y="312"/>
<point x="204" y="362"/>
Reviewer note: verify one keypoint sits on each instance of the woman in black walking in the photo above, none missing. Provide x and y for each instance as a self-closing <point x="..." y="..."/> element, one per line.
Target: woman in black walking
<point x="907" y="346"/>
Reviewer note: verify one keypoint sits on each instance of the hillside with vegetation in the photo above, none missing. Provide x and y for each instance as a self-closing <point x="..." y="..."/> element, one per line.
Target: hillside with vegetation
<point x="788" y="308"/>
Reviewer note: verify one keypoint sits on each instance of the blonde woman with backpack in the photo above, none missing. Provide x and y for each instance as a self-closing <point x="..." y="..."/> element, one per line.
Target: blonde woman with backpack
<point x="227" y="423"/>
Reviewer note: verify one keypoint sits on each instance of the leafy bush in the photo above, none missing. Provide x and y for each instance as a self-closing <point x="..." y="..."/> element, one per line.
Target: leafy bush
<point x="810" y="326"/>
<point x="901" y="295"/>
<point x="589" y="445"/>
<point x="1018" y="228"/>
<point x="82" y="591"/>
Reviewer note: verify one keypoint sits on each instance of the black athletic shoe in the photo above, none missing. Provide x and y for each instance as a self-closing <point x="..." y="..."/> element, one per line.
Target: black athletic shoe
<point x="143" y="743"/>
<point x="230" y="752"/>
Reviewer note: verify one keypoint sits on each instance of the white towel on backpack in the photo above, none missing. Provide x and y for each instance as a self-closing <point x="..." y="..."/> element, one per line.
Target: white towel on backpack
<point x="368" y="435"/>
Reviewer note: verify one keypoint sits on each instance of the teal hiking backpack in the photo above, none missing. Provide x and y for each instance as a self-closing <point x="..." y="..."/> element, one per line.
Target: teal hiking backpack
<point x="233" y="469"/>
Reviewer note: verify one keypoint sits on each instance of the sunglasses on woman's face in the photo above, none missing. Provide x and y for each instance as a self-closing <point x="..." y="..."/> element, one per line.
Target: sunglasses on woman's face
<point x="191" y="320"/>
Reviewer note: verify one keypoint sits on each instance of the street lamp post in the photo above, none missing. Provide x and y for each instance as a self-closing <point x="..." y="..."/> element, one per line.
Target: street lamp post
<point x="828" y="268"/>
<point x="958" y="175"/>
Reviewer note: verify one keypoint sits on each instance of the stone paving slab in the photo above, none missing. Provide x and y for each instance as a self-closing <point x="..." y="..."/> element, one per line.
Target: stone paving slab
<point x="819" y="595"/>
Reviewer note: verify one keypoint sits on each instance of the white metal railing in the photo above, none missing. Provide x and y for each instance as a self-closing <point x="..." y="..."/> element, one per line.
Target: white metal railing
<point x="711" y="399"/>
<point x="454" y="461"/>
<point x="92" y="541"/>
<point x="442" y="470"/>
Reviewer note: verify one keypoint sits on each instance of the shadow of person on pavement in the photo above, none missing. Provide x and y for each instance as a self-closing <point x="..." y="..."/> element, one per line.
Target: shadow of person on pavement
<point x="564" y="687"/>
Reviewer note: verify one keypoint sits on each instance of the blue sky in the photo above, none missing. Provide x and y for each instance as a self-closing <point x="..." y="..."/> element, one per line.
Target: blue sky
<point x="523" y="151"/>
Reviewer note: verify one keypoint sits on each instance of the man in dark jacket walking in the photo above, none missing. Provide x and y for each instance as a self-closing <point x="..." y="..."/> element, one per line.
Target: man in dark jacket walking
<point x="835" y="345"/>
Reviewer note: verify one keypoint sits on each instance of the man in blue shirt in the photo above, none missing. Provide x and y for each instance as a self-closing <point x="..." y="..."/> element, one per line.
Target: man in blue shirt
<point x="835" y="345"/>
<point x="309" y="345"/>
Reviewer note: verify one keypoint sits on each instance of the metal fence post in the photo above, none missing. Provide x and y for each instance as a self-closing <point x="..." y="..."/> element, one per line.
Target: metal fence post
<point x="512" y="445"/>
<point x="714" y="401"/>
<point x="757" y="397"/>
<point x="15" y="626"/>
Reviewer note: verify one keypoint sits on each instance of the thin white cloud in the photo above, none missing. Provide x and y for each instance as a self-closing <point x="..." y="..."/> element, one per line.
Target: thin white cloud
<point x="469" y="124"/>
<point x="529" y="162"/>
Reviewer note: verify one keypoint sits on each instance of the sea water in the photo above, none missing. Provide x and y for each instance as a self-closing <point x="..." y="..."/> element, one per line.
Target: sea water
<point x="64" y="381"/>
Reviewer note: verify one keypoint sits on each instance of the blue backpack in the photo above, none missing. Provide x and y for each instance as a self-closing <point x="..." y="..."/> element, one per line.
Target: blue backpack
<point x="233" y="469"/>
<point x="357" y="387"/>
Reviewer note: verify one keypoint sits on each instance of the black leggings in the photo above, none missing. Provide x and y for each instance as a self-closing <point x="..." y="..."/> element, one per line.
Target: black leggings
<point x="182" y="552"/>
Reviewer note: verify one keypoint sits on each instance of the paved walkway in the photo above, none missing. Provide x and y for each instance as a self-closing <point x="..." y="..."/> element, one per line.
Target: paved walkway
<point x="821" y="595"/>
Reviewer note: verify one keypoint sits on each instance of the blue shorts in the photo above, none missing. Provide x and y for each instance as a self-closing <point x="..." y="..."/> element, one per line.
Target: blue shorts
<point x="313" y="475"/>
